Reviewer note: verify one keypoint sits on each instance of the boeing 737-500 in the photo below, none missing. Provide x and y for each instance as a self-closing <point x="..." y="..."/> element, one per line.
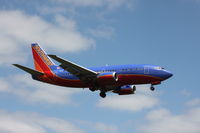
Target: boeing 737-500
<point x="120" y="79"/>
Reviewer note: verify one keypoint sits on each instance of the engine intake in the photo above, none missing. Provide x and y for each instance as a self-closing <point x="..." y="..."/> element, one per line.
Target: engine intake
<point x="107" y="78"/>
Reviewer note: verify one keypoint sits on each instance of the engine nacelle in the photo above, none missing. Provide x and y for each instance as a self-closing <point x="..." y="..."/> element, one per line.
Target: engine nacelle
<point x="125" y="90"/>
<point x="107" y="78"/>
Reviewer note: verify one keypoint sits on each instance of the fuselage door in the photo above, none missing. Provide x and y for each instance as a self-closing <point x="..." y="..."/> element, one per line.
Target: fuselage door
<point x="146" y="70"/>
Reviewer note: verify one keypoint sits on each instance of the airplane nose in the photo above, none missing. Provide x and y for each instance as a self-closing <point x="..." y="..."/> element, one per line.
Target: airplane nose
<point x="168" y="74"/>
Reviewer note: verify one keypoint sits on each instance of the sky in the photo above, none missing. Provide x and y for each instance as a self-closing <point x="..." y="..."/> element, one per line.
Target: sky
<point x="98" y="33"/>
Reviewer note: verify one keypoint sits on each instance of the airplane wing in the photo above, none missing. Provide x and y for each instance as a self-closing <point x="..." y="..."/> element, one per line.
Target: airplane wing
<point x="81" y="72"/>
<point x="29" y="70"/>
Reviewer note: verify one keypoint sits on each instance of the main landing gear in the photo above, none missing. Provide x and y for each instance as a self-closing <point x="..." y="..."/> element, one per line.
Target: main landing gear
<point x="102" y="94"/>
<point x="134" y="89"/>
<point x="152" y="88"/>
<point x="92" y="89"/>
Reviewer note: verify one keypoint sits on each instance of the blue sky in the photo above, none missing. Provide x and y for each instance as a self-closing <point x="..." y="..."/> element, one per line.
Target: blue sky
<point x="96" y="33"/>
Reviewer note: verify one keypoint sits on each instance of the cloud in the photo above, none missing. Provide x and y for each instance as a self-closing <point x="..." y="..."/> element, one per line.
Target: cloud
<point x="193" y="102"/>
<point x="22" y="122"/>
<point x="162" y="120"/>
<point x="105" y="128"/>
<point x="99" y="126"/>
<point x="185" y="92"/>
<point x="4" y="85"/>
<point x="18" y="29"/>
<point x="102" y="32"/>
<point x="9" y="50"/>
<point x="36" y="92"/>
<point x="135" y="102"/>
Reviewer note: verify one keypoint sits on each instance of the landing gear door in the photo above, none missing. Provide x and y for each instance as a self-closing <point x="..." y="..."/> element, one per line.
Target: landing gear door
<point x="146" y="70"/>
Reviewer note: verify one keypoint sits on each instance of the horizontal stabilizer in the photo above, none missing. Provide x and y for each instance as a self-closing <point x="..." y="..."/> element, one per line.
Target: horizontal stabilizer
<point x="29" y="70"/>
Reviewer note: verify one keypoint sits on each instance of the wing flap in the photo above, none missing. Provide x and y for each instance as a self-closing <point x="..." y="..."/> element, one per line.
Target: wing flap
<point x="28" y="70"/>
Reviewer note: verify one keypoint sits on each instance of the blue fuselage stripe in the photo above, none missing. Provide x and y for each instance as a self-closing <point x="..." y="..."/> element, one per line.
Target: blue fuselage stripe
<point x="146" y="70"/>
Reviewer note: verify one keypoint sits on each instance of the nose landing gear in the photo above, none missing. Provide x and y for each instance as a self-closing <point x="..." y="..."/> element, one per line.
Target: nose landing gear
<point x="102" y="94"/>
<point x="152" y="88"/>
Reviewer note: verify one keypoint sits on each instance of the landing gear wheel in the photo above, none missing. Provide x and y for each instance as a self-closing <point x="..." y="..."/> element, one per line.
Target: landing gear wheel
<point x="92" y="89"/>
<point x="134" y="89"/>
<point x="102" y="94"/>
<point x="152" y="88"/>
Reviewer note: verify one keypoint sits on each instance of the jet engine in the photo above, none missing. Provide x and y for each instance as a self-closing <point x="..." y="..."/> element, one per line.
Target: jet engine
<point x="125" y="90"/>
<point x="107" y="78"/>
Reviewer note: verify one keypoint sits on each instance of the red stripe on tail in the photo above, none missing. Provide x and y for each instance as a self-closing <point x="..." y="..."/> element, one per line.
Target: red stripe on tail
<point x="41" y="60"/>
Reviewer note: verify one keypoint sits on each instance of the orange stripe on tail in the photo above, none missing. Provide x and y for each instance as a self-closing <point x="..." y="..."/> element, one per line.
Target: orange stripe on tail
<point x="41" y="60"/>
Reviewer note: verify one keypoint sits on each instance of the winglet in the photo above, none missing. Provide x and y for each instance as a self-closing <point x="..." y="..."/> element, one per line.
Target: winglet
<point x="29" y="70"/>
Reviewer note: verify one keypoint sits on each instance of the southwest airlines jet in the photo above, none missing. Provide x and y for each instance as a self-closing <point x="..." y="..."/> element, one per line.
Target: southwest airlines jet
<point x="120" y="79"/>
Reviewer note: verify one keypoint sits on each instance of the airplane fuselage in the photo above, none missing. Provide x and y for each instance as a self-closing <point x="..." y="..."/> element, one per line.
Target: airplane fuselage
<point x="126" y="75"/>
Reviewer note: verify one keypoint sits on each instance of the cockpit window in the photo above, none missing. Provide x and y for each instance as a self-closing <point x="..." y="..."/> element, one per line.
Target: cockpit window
<point x="159" y="68"/>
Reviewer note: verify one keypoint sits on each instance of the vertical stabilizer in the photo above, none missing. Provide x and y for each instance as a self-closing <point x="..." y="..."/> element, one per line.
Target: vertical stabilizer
<point x="41" y="60"/>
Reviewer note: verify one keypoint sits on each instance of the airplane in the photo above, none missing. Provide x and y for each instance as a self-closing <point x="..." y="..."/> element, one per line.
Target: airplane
<point x="119" y="79"/>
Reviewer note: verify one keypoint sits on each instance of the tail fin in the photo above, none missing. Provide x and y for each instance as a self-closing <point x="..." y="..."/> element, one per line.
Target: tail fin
<point x="41" y="60"/>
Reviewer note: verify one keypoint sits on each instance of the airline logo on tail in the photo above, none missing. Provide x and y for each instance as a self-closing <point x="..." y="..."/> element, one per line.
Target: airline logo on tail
<point x="42" y="55"/>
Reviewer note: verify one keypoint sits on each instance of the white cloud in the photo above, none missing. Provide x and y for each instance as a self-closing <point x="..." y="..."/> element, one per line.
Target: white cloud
<point x="105" y="128"/>
<point x="185" y="92"/>
<point x="102" y="32"/>
<point x="163" y="121"/>
<point x="22" y="122"/>
<point x="135" y="102"/>
<point x="4" y="85"/>
<point x="37" y="92"/>
<point x="10" y="51"/>
<point x="99" y="126"/>
<point x="158" y="114"/>
<point x="18" y="29"/>
<point x="193" y="102"/>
